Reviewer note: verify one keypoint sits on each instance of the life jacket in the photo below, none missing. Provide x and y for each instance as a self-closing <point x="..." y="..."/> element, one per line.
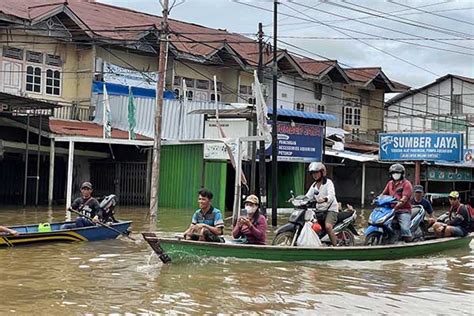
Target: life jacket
<point x="470" y="212"/>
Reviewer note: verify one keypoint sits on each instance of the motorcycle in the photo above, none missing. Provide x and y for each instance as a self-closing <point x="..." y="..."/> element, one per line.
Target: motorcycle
<point x="384" y="229"/>
<point x="303" y="212"/>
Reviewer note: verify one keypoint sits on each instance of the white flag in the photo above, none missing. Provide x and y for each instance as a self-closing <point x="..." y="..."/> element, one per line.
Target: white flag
<point x="106" y="119"/>
<point x="263" y="128"/>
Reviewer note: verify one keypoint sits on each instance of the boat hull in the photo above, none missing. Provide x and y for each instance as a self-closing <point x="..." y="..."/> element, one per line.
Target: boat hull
<point x="29" y="234"/>
<point x="182" y="250"/>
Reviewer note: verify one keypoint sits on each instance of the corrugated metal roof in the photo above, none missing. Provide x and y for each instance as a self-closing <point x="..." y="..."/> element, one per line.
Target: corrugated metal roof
<point x="351" y="155"/>
<point x="306" y="115"/>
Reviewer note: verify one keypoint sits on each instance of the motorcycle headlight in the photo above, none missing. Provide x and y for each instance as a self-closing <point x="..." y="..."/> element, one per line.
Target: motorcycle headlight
<point x="381" y="220"/>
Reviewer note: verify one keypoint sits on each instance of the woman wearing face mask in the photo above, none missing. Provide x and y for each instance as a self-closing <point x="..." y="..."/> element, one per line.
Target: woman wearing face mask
<point x="252" y="227"/>
<point x="401" y="189"/>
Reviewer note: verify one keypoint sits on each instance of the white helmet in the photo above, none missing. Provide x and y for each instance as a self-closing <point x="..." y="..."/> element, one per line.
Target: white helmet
<point x="316" y="167"/>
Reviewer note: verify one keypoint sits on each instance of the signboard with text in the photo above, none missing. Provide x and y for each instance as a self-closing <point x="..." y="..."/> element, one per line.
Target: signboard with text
<point x="421" y="147"/>
<point x="299" y="142"/>
<point x="233" y="128"/>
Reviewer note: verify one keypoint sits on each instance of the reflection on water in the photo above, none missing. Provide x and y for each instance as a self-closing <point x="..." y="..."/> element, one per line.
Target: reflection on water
<point x="122" y="276"/>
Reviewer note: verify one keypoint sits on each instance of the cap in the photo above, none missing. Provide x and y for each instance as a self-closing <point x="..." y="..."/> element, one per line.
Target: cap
<point x="86" y="185"/>
<point x="454" y="195"/>
<point x="252" y="199"/>
<point x="418" y="188"/>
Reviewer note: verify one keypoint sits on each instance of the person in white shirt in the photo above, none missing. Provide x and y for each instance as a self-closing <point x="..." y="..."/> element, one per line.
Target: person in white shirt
<point x="322" y="191"/>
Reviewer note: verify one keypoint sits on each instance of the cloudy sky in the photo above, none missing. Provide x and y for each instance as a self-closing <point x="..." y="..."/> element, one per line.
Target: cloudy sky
<point x="413" y="41"/>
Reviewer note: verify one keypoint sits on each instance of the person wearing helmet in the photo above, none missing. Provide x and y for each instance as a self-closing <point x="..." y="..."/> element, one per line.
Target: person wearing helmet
<point x="86" y="205"/>
<point x="419" y="199"/>
<point x="322" y="191"/>
<point x="459" y="219"/>
<point x="401" y="189"/>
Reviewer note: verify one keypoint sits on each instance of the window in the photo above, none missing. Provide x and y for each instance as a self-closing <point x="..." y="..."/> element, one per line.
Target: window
<point x="34" y="57"/>
<point x="177" y="93"/>
<point x="456" y="104"/>
<point x="33" y="79"/>
<point x="213" y="97"/>
<point x="53" y="82"/>
<point x="318" y="91"/>
<point x="243" y="90"/>
<point x="53" y="60"/>
<point x="12" y="52"/>
<point x="299" y="106"/>
<point x="348" y="115"/>
<point x="202" y="84"/>
<point x="190" y="95"/>
<point x="252" y="101"/>
<point x="219" y="86"/>
<point x="177" y="81"/>
<point x="321" y="109"/>
<point x="357" y="116"/>
<point x="189" y="82"/>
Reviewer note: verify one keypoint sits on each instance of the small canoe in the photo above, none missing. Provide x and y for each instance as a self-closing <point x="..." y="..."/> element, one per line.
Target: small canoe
<point x="184" y="249"/>
<point x="29" y="234"/>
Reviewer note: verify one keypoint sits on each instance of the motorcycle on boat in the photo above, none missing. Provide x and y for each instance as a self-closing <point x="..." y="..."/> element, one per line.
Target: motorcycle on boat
<point x="304" y="211"/>
<point x="384" y="229"/>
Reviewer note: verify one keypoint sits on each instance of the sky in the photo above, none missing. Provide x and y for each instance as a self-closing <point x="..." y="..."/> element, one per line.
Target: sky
<point x="413" y="41"/>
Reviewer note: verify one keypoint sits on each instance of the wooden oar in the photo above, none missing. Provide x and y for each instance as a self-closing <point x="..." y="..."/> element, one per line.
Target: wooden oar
<point x="154" y="243"/>
<point x="101" y="224"/>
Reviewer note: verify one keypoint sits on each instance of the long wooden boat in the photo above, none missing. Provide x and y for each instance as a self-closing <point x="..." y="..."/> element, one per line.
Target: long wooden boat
<point x="184" y="249"/>
<point x="29" y="234"/>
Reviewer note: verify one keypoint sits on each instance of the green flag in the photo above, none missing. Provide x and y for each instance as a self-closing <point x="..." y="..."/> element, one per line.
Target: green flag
<point x="131" y="115"/>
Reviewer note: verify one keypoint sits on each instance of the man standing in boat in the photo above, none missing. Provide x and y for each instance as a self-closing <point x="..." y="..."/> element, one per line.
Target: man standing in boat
<point x="401" y="189"/>
<point x="322" y="190"/>
<point x="207" y="222"/>
<point x="86" y="205"/>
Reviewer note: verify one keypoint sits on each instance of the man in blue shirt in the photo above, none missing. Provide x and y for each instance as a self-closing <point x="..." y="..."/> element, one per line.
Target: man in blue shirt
<point x="207" y="223"/>
<point x="419" y="199"/>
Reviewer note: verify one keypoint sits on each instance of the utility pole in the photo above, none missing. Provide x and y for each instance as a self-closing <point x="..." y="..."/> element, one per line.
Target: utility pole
<point x="261" y="160"/>
<point x="155" y="168"/>
<point x="275" y="118"/>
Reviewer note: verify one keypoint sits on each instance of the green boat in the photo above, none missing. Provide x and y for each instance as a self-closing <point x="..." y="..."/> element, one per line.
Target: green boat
<point x="183" y="250"/>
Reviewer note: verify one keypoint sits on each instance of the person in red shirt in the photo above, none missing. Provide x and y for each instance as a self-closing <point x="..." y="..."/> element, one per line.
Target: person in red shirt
<point x="401" y="189"/>
<point x="252" y="227"/>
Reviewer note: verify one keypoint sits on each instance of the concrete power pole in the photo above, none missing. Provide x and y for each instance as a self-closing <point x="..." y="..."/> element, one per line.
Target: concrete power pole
<point x="155" y="168"/>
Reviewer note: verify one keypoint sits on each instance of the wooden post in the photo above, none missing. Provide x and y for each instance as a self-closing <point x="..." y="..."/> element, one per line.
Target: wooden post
<point x="38" y="162"/>
<point x="275" y="119"/>
<point x="25" y="184"/>
<point x="362" y="194"/>
<point x="417" y="172"/>
<point x="51" y="172"/>
<point x="155" y="172"/>
<point x="262" y="167"/>
<point x="70" y="169"/>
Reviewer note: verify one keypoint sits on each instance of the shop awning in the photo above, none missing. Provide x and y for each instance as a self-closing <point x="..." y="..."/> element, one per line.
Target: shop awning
<point x="346" y="154"/>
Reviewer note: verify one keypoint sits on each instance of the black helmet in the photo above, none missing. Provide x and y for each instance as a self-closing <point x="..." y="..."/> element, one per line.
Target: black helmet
<point x="396" y="168"/>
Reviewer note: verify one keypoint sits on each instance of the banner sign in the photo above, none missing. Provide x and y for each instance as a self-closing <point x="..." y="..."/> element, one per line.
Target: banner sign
<point x="233" y="128"/>
<point x="417" y="146"/>
<point x="299" y="143"/>
<point x="439" y="173"/>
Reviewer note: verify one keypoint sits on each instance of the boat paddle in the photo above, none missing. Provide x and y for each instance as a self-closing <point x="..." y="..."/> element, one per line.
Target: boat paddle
<point x="102" y="224"/>
<point x="154" y="243"/>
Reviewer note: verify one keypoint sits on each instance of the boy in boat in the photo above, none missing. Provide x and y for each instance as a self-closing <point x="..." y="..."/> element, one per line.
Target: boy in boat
<point x="207" y="223"/>
<point x="86" y="205"/>
<point x="419" y="199"/>
<point x="7" y="230"/>
<point x="458" y="221"/>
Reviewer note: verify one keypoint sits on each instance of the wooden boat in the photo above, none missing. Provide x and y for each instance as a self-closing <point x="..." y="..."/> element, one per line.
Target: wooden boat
<point x="29" y="234"/>
<point x="181" y="249"/>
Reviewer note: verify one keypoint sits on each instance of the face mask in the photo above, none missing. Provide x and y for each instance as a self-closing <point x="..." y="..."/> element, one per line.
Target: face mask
<point x="250" y="209"/>
<point x="396" y="176"/>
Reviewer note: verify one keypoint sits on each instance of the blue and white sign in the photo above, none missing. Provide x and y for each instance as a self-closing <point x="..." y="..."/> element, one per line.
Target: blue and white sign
<point x="299" y="143"/>
<point x="417" y="146"/>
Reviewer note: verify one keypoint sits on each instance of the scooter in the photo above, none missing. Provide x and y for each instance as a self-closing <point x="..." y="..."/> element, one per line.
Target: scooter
<point x="303" y="212"/>
<point x="384" y="229"/>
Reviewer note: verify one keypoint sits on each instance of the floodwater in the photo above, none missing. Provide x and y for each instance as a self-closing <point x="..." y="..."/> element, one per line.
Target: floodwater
<point x="122" y="277"/>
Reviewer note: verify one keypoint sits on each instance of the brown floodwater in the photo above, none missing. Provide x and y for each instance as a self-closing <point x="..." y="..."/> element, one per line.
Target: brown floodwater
<point x="122" y="277"/>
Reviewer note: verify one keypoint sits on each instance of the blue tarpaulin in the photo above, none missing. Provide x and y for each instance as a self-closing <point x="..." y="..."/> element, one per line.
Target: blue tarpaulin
<point x="118" y="89"/>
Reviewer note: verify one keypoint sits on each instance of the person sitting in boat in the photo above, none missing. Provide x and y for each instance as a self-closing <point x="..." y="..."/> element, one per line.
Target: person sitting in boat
<point x="86" y="205"/>
<point x="253" y="227"/>
<point x="323" y="192"/>
<point x="207" y="223"/>
<point x="458" y="223"/>
<point x="7" y="230"/>
<point x="419" y="199"/>
<point x="401" y="189"/>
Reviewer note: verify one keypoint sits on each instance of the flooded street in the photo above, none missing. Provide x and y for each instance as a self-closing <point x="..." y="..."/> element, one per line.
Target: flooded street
<point x="123" y="277"/>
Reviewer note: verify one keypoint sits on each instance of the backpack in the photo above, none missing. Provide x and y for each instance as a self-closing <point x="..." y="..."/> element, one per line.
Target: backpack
<point x="470" y="212"/>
